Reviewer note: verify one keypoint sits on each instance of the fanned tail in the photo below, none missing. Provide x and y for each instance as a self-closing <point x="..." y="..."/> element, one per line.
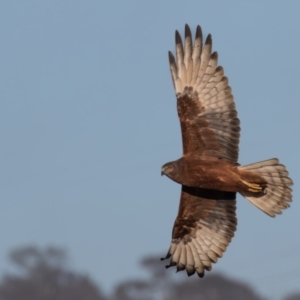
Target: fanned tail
<point x="277" y="194"/>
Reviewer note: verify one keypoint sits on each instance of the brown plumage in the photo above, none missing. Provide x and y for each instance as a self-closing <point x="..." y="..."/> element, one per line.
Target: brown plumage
<point x="208" y="170"/>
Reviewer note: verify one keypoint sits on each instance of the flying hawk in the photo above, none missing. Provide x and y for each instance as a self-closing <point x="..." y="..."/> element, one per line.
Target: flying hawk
<point x="208" y="170"/>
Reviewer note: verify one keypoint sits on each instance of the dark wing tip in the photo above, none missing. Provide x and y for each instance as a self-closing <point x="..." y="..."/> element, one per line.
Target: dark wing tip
<point x="201" y="275"/>
<point x="190" y="272"/>
<point x="207" y="268"/>
<point x="171" y="58"/>
<point x="214" y="55"/>
<point x="198" y="32"/>
<point x="187" y="31"/>
<point x="208" y="40"/>
<point x="178" y="38"/>
<point x="180" y="267"/>
<point x="219" y="68"/>
<point x="172" y="264"/>
<point x="166" y="257"/>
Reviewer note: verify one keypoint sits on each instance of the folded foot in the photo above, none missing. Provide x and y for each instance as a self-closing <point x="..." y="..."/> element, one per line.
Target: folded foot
<point x="253" y="187"/>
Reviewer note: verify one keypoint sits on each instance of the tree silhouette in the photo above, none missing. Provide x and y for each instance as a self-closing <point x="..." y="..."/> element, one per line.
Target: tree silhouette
<point x="44" y="276"/>
<point x="293" y="297"/>
<point x="162" y="285"/>
<point x="213" y="287"/>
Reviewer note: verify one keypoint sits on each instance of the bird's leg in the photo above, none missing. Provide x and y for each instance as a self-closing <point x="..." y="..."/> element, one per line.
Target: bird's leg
<point x="253" y="187"/>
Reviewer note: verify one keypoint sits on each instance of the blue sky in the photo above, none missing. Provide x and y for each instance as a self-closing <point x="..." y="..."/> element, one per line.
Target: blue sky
<point x="88" y="116"/>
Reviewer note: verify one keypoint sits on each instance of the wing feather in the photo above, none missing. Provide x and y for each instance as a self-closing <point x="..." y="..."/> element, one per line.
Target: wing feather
<point x="196" y="54"/>
<point x="199" y="266"/>
<point x="177" y="253"/>
<point x="204" y="59"/>
<point x="190" y="262"/>
<point x="188" y="51"/>
<point x="210" y="70"/>
<point x="202" y="252"/>
<point x="179" y="56"/>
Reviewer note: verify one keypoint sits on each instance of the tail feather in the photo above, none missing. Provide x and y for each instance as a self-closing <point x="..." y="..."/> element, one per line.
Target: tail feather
<point x="277" y="194"/>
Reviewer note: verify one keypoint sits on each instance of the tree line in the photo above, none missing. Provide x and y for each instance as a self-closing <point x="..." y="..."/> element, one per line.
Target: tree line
<point x="44" y="274"/>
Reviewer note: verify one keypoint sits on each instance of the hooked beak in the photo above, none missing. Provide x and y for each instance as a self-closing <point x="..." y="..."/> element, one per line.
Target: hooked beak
<point x="162" y="173"/>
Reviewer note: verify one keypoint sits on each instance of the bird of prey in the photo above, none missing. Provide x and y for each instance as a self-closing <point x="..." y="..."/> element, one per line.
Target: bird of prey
<point x="208" y="169"/>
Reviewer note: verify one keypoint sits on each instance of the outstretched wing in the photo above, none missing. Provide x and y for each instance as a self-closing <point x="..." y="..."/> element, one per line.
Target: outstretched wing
<point x="204" y="227"/>
<point x="206" y="109"/>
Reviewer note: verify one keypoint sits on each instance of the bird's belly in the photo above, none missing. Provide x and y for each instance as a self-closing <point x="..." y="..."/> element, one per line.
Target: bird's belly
<point x="217" y="178"/>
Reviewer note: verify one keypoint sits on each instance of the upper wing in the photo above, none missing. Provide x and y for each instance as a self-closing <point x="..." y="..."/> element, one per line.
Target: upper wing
<point x="206" y="109"/>
<point x="205" y="224"/>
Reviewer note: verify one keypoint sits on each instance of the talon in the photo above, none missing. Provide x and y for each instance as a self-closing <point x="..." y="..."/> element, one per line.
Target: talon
<point x="252" y="187"/>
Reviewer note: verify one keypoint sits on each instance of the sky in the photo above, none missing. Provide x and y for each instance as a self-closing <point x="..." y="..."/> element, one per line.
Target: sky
<point x="88" y="117"/>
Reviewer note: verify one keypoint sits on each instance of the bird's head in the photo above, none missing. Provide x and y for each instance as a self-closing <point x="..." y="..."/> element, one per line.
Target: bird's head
<point x="169" y="169"/>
